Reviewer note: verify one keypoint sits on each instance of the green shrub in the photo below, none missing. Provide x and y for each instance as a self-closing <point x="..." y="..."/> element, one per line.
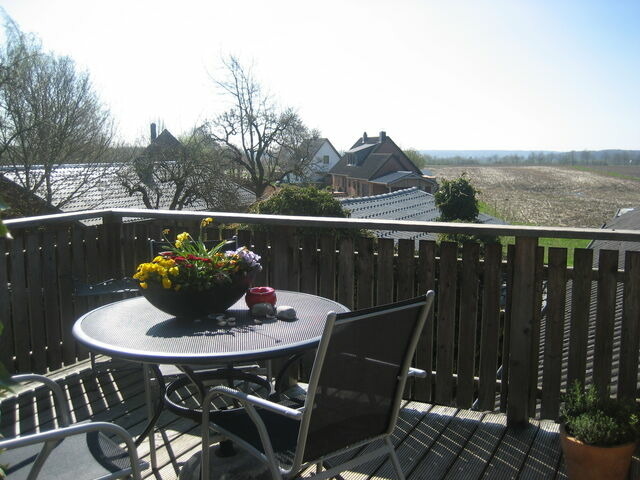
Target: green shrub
<point x="308" y="202"/>
<point x="597" y="419"/>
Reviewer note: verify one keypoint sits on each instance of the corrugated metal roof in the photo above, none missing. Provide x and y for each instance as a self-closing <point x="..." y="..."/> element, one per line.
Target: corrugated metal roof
<point x="625" y="219"/>
<point x="410" y="204"/>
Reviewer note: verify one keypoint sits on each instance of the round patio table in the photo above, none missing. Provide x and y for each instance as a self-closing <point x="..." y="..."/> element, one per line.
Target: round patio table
<point x="135" y="330"/>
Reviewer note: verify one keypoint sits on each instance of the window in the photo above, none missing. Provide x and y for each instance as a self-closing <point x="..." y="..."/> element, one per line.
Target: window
<point x="351" y="159"/>
<point x="325" y="159"/>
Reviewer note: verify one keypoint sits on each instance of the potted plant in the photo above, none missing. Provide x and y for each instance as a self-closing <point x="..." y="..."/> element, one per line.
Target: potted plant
<point x="191" y="280"/>
<point x="598" y="434"/>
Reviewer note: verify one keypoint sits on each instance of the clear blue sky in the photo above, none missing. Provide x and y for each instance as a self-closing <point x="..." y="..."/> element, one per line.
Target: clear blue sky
<point x="494" y="74"/>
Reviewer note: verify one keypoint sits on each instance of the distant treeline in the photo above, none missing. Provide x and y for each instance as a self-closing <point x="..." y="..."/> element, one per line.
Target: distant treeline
<point x="600" y="157"/>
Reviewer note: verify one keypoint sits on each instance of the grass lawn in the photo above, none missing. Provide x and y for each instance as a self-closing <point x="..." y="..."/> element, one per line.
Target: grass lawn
<point x="569" y="243"/>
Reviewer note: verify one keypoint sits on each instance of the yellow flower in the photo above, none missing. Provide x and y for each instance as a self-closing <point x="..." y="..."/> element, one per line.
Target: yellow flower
<point x="205" y="222"/>
<point x="177" y="287"/>
<point x="178" y="244"/>
<point x="166" y="283"/>
<point x="143" y="285"/>
<point x="174" y="271"/>
<point x="166" y="231"/>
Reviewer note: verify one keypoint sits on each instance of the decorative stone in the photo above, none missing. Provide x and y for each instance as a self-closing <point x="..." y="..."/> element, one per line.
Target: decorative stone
<point x="263" y="310"/>
<point x="231" y="321"/>
<point x="285" y="312"/>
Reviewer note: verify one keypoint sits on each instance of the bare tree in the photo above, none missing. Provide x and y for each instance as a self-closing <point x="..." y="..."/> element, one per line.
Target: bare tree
<point x="258" y="138"/>
<point x="50" y="116"/>
<point x="175" y="175"/>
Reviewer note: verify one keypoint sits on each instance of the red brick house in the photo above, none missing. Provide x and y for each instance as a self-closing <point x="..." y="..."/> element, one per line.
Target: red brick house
<point x="376" y="165"/>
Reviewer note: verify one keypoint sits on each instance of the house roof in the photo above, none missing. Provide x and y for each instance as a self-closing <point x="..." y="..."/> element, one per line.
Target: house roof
<point x="363" y="160"/>
<point x="410" y="204"/>
<point x="393" y="177"/>
<point x="624" y="219"/>
<point x="365" y="168"/>
<point x="106" y="190"/>
<point x="95" y="186"/>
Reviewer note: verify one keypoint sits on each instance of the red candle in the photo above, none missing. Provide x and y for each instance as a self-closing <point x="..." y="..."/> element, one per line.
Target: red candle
<point x="260" y="295"/>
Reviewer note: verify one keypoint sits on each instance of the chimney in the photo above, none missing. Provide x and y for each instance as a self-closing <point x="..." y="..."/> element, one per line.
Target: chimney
<point x="153" y="132"/>
<point x="383" y="137"/>
<point x="364" y="137"/>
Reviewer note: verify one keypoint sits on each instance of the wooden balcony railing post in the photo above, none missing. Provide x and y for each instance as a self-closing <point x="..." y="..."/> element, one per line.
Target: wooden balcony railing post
<point x="346" y="270"/>
<point x="556" y="301"/>
<point x="283" y="242"/>
<point x="447" y="287"/>
<point x="605" y="316"/>
<point x="6" y="339"/>
<point x="467" y="321"/>
<point x="112" y="244"/>
<point x="630" y="337"/>
<point x="522" y="316"/>
<point x="579" y="331"/>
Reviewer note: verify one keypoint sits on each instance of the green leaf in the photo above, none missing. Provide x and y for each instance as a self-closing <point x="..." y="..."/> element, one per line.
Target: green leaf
<point x="5" y="379"/>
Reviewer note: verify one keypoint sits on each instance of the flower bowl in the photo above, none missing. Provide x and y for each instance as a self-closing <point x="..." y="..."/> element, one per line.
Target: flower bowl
<point x="191" y="304"/>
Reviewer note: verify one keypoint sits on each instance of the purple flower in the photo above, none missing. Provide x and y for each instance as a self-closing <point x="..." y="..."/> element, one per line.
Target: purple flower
<point x="247" y="257"/>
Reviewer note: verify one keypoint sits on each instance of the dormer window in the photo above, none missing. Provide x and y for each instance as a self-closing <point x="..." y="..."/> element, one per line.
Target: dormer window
<point x="351" y="159"/>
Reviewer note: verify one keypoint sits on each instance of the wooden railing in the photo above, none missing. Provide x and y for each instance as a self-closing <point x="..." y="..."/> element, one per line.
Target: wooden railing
<point x="508" y="331"/>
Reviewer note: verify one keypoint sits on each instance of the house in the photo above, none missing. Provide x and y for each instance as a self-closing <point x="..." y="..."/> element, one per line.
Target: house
<point x="376" y="165"/>
<point x="323" y="156"/>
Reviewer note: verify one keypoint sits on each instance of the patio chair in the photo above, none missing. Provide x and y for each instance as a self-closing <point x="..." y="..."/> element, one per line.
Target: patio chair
<point x="80" y="450"/>
<point x="353" y="397"/>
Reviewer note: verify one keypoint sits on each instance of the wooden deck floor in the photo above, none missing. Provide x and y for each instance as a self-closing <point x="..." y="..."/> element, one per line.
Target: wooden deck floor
<point x="432" y="442"/>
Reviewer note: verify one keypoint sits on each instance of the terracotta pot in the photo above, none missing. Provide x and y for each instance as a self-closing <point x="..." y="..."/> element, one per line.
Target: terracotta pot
<point x="260" y="295"/>
<point x="189" y="304"/>
<point x="587" y="462"/>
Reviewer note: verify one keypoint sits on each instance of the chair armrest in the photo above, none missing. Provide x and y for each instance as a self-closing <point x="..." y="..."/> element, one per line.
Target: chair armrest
<point x="60" y="400"/>
<point x="245" y="398"/>
<point x="77" y="429"/>
<point x="416" y="372"/>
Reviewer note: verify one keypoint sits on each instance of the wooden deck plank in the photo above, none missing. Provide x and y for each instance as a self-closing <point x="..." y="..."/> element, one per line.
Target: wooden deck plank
<point x="422" y="438"/>
<point x="409" y="418"/>
<point x="473" y="460"/>
<point x="544" y="457"/>
<point x="431" y="442"/>
<point x="512" y="452"/>
<point x="437" y="462"/>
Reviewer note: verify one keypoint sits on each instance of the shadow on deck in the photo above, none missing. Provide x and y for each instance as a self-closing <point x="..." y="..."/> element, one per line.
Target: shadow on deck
<point x="432" y="441"/>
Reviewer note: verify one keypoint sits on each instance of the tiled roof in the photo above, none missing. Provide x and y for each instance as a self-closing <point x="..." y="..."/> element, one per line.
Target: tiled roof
<point x="363" y="161"/>
<point x="106" y="192"/>
<point x="363" y="168"/>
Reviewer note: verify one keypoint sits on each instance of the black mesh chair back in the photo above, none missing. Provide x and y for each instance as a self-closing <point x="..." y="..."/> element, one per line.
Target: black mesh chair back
<point x="353" y="397"/>
<point x="362" y="377"/>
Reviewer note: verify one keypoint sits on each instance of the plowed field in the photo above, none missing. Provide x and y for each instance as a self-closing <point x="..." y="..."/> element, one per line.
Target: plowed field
<point x="548" y="196"/>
